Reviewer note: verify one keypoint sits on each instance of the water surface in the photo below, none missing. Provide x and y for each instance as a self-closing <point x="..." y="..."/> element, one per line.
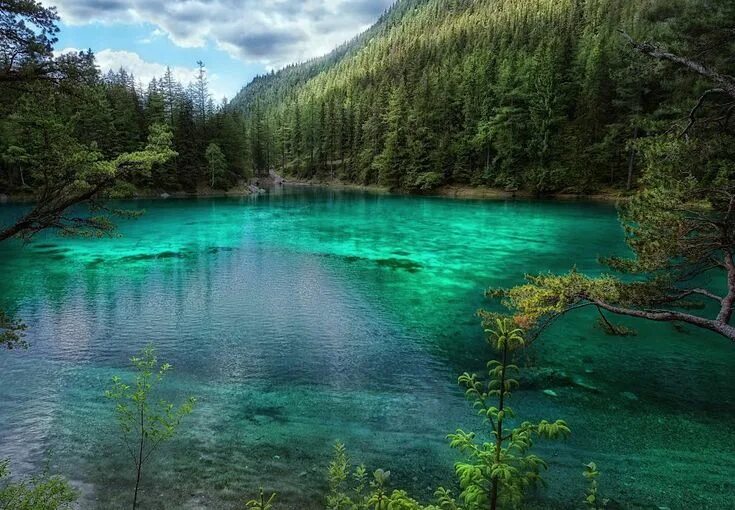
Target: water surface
<point x="307" y="316"/>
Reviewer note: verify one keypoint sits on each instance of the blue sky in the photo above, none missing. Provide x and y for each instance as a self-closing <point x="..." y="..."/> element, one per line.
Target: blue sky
<point x="236" y="39"/>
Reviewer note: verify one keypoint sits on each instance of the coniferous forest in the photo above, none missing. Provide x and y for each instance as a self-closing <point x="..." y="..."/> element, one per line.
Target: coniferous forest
<point x="544" y="96"/>
<point x="541" y="95"/>
<point x="62" y="109"/>
<point x="234" y="345"/>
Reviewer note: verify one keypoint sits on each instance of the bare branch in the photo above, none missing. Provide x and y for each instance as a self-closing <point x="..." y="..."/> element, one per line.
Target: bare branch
<point x="729" y="301"/>
<point x="693" y="112"/>
<point x="726" y="82"/>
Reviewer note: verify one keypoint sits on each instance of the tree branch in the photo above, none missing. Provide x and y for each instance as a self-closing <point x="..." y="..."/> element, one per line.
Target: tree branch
<point x="700" y="292"/>
<point x="700" y="102"/>
<point x="45" y="215"/>
<point x="717" y="326"/>
<point x="727" y="83"/>
<point x="729" y="301"/>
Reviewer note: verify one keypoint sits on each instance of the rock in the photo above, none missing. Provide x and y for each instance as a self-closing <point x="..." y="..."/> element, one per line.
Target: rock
<point x="541" y="378"/>
<point x="584" y="384"/>
<point x="629" y="395"/>
<point x="3" y="198"/>
<point x="165" y="195"/>
<point x="277" y="179"/>
<point x="551" y="393"/>
<point x="255" y="189"/>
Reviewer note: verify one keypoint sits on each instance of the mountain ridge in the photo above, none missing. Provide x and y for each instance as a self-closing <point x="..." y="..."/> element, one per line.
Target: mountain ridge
<point x="539" y="95"/>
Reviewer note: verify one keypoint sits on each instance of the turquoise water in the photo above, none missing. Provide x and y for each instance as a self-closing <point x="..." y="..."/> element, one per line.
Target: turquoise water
<point x="308" y="316"/>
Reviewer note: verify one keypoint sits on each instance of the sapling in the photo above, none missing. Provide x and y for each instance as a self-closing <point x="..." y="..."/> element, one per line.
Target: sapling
<point x="498" y="472"/>
<point x="261" y="503"/>
<point x="145" y="422"/>
<point x="592" y="498"/>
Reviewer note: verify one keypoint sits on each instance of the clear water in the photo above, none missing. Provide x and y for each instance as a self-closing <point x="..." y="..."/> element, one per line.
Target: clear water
<point x="308" y="316"/>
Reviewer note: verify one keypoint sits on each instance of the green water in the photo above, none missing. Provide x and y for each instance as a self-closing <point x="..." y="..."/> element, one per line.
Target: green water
<point x="307" y="316"/>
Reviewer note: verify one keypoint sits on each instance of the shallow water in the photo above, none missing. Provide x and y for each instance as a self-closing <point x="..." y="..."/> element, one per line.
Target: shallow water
<point x="307" y="316"/>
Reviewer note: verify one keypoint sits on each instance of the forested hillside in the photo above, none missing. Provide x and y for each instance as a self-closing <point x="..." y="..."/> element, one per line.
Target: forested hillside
<point x="60" y="114"/>
<point x="544" y="95"/>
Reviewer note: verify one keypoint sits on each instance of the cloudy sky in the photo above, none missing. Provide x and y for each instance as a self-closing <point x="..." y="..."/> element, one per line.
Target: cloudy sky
<point x="236" y="39"/>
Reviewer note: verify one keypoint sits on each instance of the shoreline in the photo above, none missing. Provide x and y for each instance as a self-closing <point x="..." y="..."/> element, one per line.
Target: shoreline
<point x="450" y="191"/>
<point x="471" y="192"/>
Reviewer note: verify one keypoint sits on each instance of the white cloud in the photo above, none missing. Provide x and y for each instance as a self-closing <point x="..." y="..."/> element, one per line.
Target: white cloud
<point x="144" y="71"/>
<point x="270" y="32"/>
<point x="155" y="34"/>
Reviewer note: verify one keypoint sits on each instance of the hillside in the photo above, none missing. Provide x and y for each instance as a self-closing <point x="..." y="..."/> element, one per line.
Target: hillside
<point x="543" y="95"/>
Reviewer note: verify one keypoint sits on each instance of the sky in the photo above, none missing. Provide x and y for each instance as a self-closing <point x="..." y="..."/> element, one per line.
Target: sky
<point x="236" y="39"/>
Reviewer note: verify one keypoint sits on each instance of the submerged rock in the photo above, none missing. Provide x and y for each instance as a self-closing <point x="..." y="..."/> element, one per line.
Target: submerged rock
<point x="542" y="378"/>
<point x="629" y="395"/>
<point x="551" y="393"/>
<point x="584" y="384"/>
<point x="395" y="264"/>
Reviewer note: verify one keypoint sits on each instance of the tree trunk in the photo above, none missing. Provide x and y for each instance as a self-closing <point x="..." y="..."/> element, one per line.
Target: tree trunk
<point x="140" y="459"/>
<point x="631" y="160"/>
<point x="499" y="428"/>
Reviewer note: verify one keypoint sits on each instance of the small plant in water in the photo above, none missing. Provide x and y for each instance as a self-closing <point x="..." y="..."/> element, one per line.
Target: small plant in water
<point x="592" y="499"/>
<point x="260" y="503"/>
<point x="498" y="472"/>
<point x="353" y="490"/>
<point x="145" y="422"/>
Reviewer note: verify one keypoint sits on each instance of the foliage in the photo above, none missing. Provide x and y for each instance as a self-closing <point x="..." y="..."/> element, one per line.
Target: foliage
<point x="543" y="95"/>
<point x="145" y="423"/>
<point x="592" y="499"/>
<point x="497" y="473"/>
<point x="29" y="33"/>
<point x="679" y="226"/>
<point x="66" y="173"/>
<point x="261" y="503"/>
<point x="70" y="134"/>
<point x="36" y="493"/>
<point x="216" y="163"/>
<point x="354" y="489"/>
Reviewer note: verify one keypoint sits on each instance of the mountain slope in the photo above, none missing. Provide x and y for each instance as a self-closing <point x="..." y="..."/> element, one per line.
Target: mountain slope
<point x="539" y="94"/>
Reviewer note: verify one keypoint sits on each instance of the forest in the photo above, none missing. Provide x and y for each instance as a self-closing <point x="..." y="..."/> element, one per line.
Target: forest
<point x="324" y="306"/>
<point x="536" y="95"/>
<point x="64" y="109"/>
<point x="540" y="95"/>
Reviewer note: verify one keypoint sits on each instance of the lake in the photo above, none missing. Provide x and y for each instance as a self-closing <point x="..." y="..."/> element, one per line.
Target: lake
<point x="306" y="316"/>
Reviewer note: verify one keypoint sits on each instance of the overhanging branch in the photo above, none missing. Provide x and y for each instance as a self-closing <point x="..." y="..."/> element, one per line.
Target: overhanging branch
<point x="726" y="82"/>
